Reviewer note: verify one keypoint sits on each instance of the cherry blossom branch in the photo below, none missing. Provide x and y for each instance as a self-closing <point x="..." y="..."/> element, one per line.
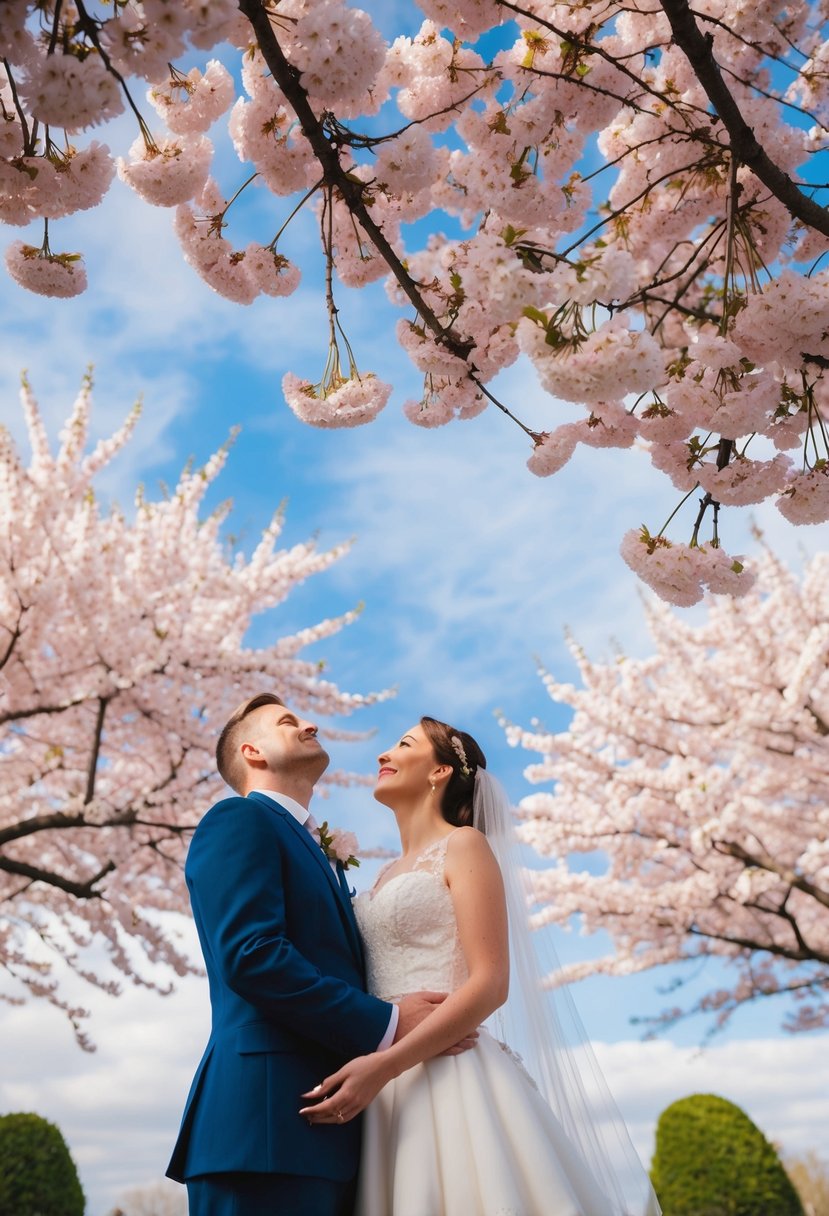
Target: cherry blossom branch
<point x="745" y="147"/>
<point x="90" y="27"/>
<point x="752" y="84"/>
<point x="534" y="435"/>
<point x="589" y="48"/>
<point x="351" y="190"/>
<point x="342" y="134"/>
<point x="617" y="212"/>
<point x="768" y="947"/>
<point x="584" y="83"/>
<point x="764" y="861"/>
<point x="308" y="194"/>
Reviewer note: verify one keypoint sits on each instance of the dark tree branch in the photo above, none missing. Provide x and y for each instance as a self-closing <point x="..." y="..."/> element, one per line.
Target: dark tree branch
<point x="40" y="823"/>
<point x="34" y="711"/>
<point x="14" y="638"/>
<point x="96" y="750"/>
<point x="744" y="146"/>
<point x="81" y="890"/>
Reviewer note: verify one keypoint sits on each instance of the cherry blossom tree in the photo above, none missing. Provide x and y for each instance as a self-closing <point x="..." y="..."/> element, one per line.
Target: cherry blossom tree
<point x="699" y="776"/>
<point x="631" y="185"/>
<point x="123" y="650"/>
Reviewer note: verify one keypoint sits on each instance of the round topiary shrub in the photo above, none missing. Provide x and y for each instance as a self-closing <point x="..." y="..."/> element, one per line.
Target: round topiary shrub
<point x="37" y="1173"/>
<point x="711" y="1160"/>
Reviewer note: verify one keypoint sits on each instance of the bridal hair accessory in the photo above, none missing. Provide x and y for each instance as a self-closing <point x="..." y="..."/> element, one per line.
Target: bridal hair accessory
<point x="543" y="1024"/>
<point x="338" y="845"/>
<point x="466" y="771"/>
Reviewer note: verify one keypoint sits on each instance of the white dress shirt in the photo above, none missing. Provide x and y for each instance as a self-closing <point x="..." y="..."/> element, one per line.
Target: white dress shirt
<point x="301" y="814"/>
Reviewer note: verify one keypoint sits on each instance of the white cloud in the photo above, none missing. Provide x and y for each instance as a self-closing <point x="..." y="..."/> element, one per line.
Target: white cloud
<point x="782" y="1084"/>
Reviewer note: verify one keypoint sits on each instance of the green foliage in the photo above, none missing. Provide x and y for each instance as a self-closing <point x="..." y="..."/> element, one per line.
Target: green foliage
<point x="37" y="1173"/>
<point x="711" y="1160"/>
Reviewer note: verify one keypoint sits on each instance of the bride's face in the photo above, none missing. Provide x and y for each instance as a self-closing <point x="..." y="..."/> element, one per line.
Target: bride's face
<point x="407" y="769"/>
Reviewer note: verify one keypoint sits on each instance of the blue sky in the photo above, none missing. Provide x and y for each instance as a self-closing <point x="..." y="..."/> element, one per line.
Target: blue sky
<point x="470" y="570"/>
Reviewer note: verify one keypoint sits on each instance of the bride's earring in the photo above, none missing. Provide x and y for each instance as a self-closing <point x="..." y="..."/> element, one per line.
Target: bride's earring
<point x="432" y="784"/>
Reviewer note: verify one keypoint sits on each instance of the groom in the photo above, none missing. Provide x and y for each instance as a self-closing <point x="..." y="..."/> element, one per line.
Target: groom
<point x="287" y="990"/>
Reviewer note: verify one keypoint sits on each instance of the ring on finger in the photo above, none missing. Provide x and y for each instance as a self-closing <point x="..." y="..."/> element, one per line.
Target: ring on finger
<point x="340" y="1116"/>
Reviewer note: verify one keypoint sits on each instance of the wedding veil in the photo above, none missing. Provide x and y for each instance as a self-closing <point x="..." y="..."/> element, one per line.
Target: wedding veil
<point x="545" y="1026"/>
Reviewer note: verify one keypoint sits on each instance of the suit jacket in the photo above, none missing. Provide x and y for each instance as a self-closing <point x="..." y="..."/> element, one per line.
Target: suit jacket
<point x="285" y="968"/>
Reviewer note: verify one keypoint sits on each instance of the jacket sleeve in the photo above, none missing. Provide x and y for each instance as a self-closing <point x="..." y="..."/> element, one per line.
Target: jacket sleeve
<point x="236" y="873"/>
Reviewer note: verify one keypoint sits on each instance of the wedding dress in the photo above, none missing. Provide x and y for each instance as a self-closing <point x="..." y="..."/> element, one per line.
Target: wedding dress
<point x="464" y="1135"/>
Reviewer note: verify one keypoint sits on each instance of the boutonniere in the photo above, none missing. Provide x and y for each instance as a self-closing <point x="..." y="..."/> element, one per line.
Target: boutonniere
<point x="338" y="845"/>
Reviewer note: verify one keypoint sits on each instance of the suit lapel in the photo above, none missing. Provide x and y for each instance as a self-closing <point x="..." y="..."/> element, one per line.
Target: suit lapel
<point x="336" y="881"/>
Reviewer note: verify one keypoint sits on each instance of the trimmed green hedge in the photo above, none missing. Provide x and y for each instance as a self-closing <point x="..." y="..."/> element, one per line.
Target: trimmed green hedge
<point x="711" y="1160"/>
<point x="37" y="1173"/>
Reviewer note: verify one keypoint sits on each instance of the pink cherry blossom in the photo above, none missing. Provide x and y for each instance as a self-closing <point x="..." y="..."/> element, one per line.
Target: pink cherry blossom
<point x="694" y="776"/>
<point x="553" y="449"/>
<point x="28" y="189"/>
<point x="126" y="647"/>
<point x="169" y="171"/>
<point x="744" y="481"/>
<point x="273" y="273"/>
<point x="339" y="53"/>
<point x="674" y="571"/>
<point x="72" y="93"/>
<point x="81" y="180"/>
<point x="191" y="104"/>
<point x="444" y="399"/>
<point x="263" y="132"/>
<point x="806" y="497"/>
<point x="61" y="275"/>
<point x="353" y="402"/>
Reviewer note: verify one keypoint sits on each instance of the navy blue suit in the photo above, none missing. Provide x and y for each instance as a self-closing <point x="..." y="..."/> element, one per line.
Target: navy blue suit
<point x="285" y="967"/>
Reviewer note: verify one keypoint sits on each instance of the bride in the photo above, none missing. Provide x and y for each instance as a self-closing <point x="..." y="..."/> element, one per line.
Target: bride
<point x="468" y="1134"/>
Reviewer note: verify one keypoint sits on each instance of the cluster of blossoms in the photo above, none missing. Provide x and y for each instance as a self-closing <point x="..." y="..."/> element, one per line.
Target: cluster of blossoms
<point x="640" y="291"/>
<point x="681" y="573"/>
<point x="344" y="402"/>
<point x="699" y="773"/>
<point x="62" y="276"/>
<point x="124" y="651"/>
<point x="239" y="275"/>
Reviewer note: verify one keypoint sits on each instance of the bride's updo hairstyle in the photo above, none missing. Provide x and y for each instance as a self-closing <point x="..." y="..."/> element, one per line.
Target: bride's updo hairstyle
<point x="460" y="751"/>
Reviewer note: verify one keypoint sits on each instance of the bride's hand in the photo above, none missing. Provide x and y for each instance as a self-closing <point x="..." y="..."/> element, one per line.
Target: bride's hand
<point x="346" y="1093"/>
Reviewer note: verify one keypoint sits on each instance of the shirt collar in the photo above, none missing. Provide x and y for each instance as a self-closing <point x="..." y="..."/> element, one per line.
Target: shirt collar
<point x="299" y="812"/>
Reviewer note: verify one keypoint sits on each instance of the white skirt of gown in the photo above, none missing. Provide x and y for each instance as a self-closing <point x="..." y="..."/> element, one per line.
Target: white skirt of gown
<point x="470" y="1135"/>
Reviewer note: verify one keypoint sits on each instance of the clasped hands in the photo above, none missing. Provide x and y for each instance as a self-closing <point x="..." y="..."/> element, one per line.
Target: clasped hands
<point x="347" y="1092"/>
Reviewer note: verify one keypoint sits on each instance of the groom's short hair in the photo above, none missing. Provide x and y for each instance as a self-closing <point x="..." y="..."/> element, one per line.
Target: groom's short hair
<point x="228" y="761"/>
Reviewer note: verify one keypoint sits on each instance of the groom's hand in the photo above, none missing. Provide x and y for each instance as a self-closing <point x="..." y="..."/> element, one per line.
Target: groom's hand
<point x="413" y="1009"/>
<point x="417" y="1006"/>
<point x="469" y="1041"/>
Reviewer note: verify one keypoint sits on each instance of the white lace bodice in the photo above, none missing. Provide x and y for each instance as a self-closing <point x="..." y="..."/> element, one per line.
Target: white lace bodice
<point x="409" y="930"/>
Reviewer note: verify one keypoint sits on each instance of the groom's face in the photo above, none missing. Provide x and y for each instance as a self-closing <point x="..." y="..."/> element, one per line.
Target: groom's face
<point x="281" y="741"/>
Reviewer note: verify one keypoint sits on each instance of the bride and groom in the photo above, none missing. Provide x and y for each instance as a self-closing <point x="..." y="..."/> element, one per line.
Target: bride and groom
<point x="323" y="1010"/>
